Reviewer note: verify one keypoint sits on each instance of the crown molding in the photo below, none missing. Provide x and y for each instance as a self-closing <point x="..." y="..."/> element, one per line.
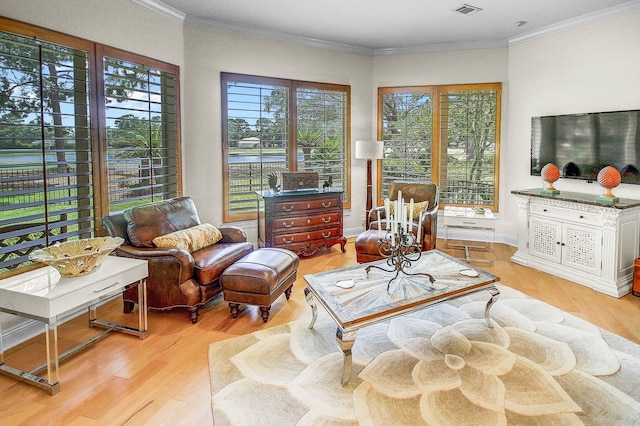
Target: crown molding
<point x="441" y="47"/>
<point x="289" y="38"/>
<point x="162" y="9"/>
<point x="589" y="18"/>
<point x="274" y="35"/>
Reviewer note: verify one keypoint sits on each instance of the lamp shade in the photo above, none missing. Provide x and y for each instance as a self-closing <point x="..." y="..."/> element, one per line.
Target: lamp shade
<point x="369" y="150"/>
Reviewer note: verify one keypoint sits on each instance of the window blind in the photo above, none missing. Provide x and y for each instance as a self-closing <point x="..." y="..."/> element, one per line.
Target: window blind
<point x="407" y="134"/>
<point x="468" y="141"/>
<point x="141" y="131"/>
<point x="322" y="134"/>
<point x="275" y="125"/>
<point x="45" y="147"/>
<point x="464" y="122"/>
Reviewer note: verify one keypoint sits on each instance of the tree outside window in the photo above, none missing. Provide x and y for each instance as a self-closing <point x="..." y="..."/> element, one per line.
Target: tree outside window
<point x="445" y="134"/>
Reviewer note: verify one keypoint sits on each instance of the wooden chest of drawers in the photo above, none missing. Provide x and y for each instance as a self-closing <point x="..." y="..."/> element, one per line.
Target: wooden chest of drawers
<point x="300" y="221"/>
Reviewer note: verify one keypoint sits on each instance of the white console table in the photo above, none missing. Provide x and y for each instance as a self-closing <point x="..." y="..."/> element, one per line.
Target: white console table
<point x="45" y="296"/>
<point x="573" y="236"/>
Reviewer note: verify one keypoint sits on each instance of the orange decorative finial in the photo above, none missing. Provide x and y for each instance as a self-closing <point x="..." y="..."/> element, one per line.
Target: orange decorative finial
<point x="550" y="173"/>
<point x="609" y="178"/>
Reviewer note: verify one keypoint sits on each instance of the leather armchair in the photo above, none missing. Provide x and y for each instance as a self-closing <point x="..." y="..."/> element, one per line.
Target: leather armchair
<point x="177" y="278"/>
<point x="367" y="242"/>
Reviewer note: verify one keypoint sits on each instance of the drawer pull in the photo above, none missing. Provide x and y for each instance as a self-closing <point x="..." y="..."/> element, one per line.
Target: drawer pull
<point x="308" y="220"/>
<point x="289" y="225"/>
<point x="287" y="209"/>
<point x="468" y="223"/>
<point x="116" y="284"/>
<point x="308" y="236"/>
<point x="308" y="205"/>
<point x="581" y="217"/>
<point x="327" y="220"/>
<point x="284" y="240"/>
<point x="326" y="206"/>
<point x="544" y="210"/>
<point x="326" y="236"/>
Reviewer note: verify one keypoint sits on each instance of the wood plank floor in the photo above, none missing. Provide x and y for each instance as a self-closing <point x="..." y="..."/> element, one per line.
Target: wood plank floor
<point x="164" y="379"/>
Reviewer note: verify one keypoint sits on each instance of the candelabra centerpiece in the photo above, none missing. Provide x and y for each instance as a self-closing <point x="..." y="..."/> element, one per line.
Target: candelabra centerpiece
<point x="397" y="243"/>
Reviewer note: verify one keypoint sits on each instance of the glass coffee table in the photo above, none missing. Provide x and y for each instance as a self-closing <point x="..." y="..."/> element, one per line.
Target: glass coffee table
<point x="357" y="296"/>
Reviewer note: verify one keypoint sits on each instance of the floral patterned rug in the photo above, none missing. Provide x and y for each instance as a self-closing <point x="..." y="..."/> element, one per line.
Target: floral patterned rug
<point x="438" y="366"/>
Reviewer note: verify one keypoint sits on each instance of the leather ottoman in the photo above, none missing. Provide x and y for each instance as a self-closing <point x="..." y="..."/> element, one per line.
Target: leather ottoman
<point x="259" y="278"/>
<point x="367" y="246"/>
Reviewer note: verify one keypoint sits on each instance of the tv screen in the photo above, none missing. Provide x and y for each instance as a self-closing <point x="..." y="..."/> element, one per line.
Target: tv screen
<point x="582" y="144"/>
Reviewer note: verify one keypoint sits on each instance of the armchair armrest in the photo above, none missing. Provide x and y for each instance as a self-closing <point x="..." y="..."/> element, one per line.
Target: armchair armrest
<point x="373" y="213"/>
<point x="167" y="265"/>
<point x="232" y="234"/>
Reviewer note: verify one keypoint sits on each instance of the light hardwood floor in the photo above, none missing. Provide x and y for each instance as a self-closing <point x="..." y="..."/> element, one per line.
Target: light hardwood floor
<point x="164" y="379"/>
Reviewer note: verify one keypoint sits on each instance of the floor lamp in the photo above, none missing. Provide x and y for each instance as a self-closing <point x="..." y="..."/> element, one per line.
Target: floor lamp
<point x="369" y="150"/>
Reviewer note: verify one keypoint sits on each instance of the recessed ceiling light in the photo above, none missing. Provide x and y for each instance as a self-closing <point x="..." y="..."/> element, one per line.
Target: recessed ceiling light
<point x="520" y="23"/>
<point x="467" y="9"/>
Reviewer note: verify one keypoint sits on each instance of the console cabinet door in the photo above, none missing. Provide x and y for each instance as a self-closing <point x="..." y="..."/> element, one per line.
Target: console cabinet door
<point x="545" y="238"/>
<point x="582" y="248"/>
<point x="573" y="245"/>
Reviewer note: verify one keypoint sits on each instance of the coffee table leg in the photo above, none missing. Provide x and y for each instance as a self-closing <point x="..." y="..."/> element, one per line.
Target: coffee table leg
<point x="346" y="340"/>
<point x="495" y="294"/>
<point x="314" y="309"/>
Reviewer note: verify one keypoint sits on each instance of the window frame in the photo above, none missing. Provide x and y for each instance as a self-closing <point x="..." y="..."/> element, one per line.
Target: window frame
<point x="435" y="92"/>
<point x="293" y="86"/>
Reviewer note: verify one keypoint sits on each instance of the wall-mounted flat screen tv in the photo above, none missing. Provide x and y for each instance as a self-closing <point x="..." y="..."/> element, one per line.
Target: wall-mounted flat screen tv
<point x="582" y="144"/>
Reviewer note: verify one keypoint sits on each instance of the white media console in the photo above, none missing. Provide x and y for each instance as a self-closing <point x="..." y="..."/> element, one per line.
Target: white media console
<point x="573" y="236"/>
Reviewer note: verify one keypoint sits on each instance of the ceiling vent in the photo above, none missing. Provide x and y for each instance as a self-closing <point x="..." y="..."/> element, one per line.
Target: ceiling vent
<point x="467" y="9"/>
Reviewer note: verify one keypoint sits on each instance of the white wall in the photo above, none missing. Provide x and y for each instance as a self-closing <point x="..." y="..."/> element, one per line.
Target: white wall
<point x="209" y="52"/>
<point x="592" y="68"/>
<point x="117" y="23"/>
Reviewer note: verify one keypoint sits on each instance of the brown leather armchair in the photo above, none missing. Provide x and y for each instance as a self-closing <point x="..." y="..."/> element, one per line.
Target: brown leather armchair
<point x="177" y="278"/>
<point x="367" y="242"/>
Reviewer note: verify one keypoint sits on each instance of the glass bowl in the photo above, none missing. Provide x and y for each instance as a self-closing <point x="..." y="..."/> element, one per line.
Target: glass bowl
<point x="78" y="257"/>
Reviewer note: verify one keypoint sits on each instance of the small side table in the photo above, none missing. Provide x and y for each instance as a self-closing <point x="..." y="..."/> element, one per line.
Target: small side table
<point x="45" y="296"/>
<point x="469" y="218"/>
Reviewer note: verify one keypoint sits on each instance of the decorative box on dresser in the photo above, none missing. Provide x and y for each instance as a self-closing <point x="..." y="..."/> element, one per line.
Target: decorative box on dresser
<point x="302" y="221"/>
<point x="573" y="236"/>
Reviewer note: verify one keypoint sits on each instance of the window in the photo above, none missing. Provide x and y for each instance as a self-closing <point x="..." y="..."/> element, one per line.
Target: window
<point x="260" y="115"/>
<point x="141" y="117"/>
<point x="63" y="103"/>
<point x="464" y="122"/>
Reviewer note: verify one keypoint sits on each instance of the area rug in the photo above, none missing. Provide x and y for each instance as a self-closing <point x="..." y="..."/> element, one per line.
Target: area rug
<point x="438" y="366"/>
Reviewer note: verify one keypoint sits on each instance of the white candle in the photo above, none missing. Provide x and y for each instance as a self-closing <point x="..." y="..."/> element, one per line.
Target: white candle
<point x="396" y="210"/>
<point x="411" y="215"/>
<point x="379" y="227"/>
<point x="419" y="234"/>
<point x="405" y="212"/>
<point x="400" y="204"/>
<point x="387" y="212"/>
<point x="393" y="231"/>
